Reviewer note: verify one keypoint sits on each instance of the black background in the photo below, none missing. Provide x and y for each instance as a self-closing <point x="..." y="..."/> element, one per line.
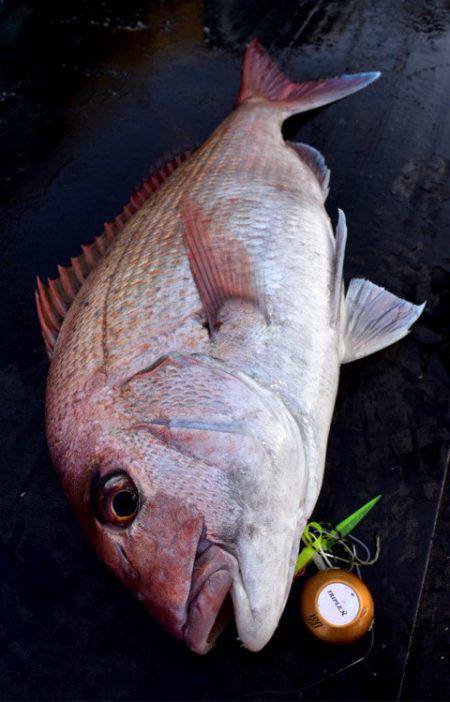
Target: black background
<point x="92" y="94"/>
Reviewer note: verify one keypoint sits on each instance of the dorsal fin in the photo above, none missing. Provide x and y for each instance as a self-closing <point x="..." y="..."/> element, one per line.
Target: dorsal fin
<point x="54" y="299"/>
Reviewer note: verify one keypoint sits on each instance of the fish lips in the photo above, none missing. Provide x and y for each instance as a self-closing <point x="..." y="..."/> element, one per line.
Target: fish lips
<point x="209" y="606"/>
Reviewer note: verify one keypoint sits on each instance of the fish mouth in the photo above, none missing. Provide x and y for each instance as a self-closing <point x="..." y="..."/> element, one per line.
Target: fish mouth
<point x="209" y="613"/>
<point x="210" y="606"/>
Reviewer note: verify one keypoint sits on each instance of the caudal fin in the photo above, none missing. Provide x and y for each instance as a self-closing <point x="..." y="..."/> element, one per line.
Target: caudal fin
<point x="261" y="77"/>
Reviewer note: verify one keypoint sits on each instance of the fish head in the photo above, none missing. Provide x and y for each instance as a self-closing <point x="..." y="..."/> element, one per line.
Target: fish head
<point x="193" y="495"/>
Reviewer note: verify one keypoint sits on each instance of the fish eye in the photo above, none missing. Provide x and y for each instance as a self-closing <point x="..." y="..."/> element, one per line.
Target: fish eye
<point x="124" y="504"/>
<point x="116" y="499"/>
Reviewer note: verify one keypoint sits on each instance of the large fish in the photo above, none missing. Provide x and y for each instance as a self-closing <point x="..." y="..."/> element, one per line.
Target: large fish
<point x="195" y="351"/>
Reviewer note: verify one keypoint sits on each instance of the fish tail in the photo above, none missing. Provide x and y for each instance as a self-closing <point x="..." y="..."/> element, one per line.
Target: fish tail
<point x="261" y="78"/>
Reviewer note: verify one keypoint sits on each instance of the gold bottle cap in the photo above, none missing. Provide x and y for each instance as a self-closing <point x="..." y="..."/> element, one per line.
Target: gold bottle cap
<point x="336" y="606"/>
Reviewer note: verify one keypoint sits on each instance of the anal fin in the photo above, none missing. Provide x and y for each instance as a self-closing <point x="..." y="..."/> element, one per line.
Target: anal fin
<point x="316" y="162"/>
<point x="218" y="275"/>
<point x="375" y="319"/>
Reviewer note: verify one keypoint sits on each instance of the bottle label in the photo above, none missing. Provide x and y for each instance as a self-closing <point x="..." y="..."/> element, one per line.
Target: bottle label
<point x="338" y="604"/>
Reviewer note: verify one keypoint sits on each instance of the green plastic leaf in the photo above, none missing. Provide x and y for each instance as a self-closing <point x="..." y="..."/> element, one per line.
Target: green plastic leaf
<point x="349" y="523"/>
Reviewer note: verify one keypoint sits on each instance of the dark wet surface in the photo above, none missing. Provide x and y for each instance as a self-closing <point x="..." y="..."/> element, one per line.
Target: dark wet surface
<point x="92" y="94"/>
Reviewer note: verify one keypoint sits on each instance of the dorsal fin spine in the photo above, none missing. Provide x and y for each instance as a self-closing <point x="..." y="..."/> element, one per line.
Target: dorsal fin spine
<point x="54" y="299"/>
<point x="97" y="244"/>
<point x="49" y="336"/>
<point x="47" y="309"/>
<point x="90" y="255"/>
<point x="118" y="222"/>
<point x="78" y="269"/>
<point x="109" y="232"/>
<point x="65" y="276"/>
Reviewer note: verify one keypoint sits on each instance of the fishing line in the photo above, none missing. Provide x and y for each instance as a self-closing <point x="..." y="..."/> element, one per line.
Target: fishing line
<point x="317" y="682"/>
<point x="349" y="556"/>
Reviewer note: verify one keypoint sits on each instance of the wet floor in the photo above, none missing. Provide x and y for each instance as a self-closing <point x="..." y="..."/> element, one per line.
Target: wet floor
<point x="92" y="95"/>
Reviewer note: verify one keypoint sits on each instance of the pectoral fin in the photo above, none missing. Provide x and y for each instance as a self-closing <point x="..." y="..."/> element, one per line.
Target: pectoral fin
<point x="375" y="318"/>
<point x="220" y="273"/>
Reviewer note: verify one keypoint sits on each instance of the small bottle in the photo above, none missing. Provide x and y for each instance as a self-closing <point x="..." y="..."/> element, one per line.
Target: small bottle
<point x="336" y="606"/>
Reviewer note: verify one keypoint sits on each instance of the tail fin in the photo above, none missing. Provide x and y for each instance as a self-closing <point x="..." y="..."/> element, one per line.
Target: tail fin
<point x="261" y="77"/>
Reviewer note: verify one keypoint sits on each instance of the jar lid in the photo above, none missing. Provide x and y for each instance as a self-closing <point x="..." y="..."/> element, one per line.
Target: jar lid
<point x="336" y="606"/>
